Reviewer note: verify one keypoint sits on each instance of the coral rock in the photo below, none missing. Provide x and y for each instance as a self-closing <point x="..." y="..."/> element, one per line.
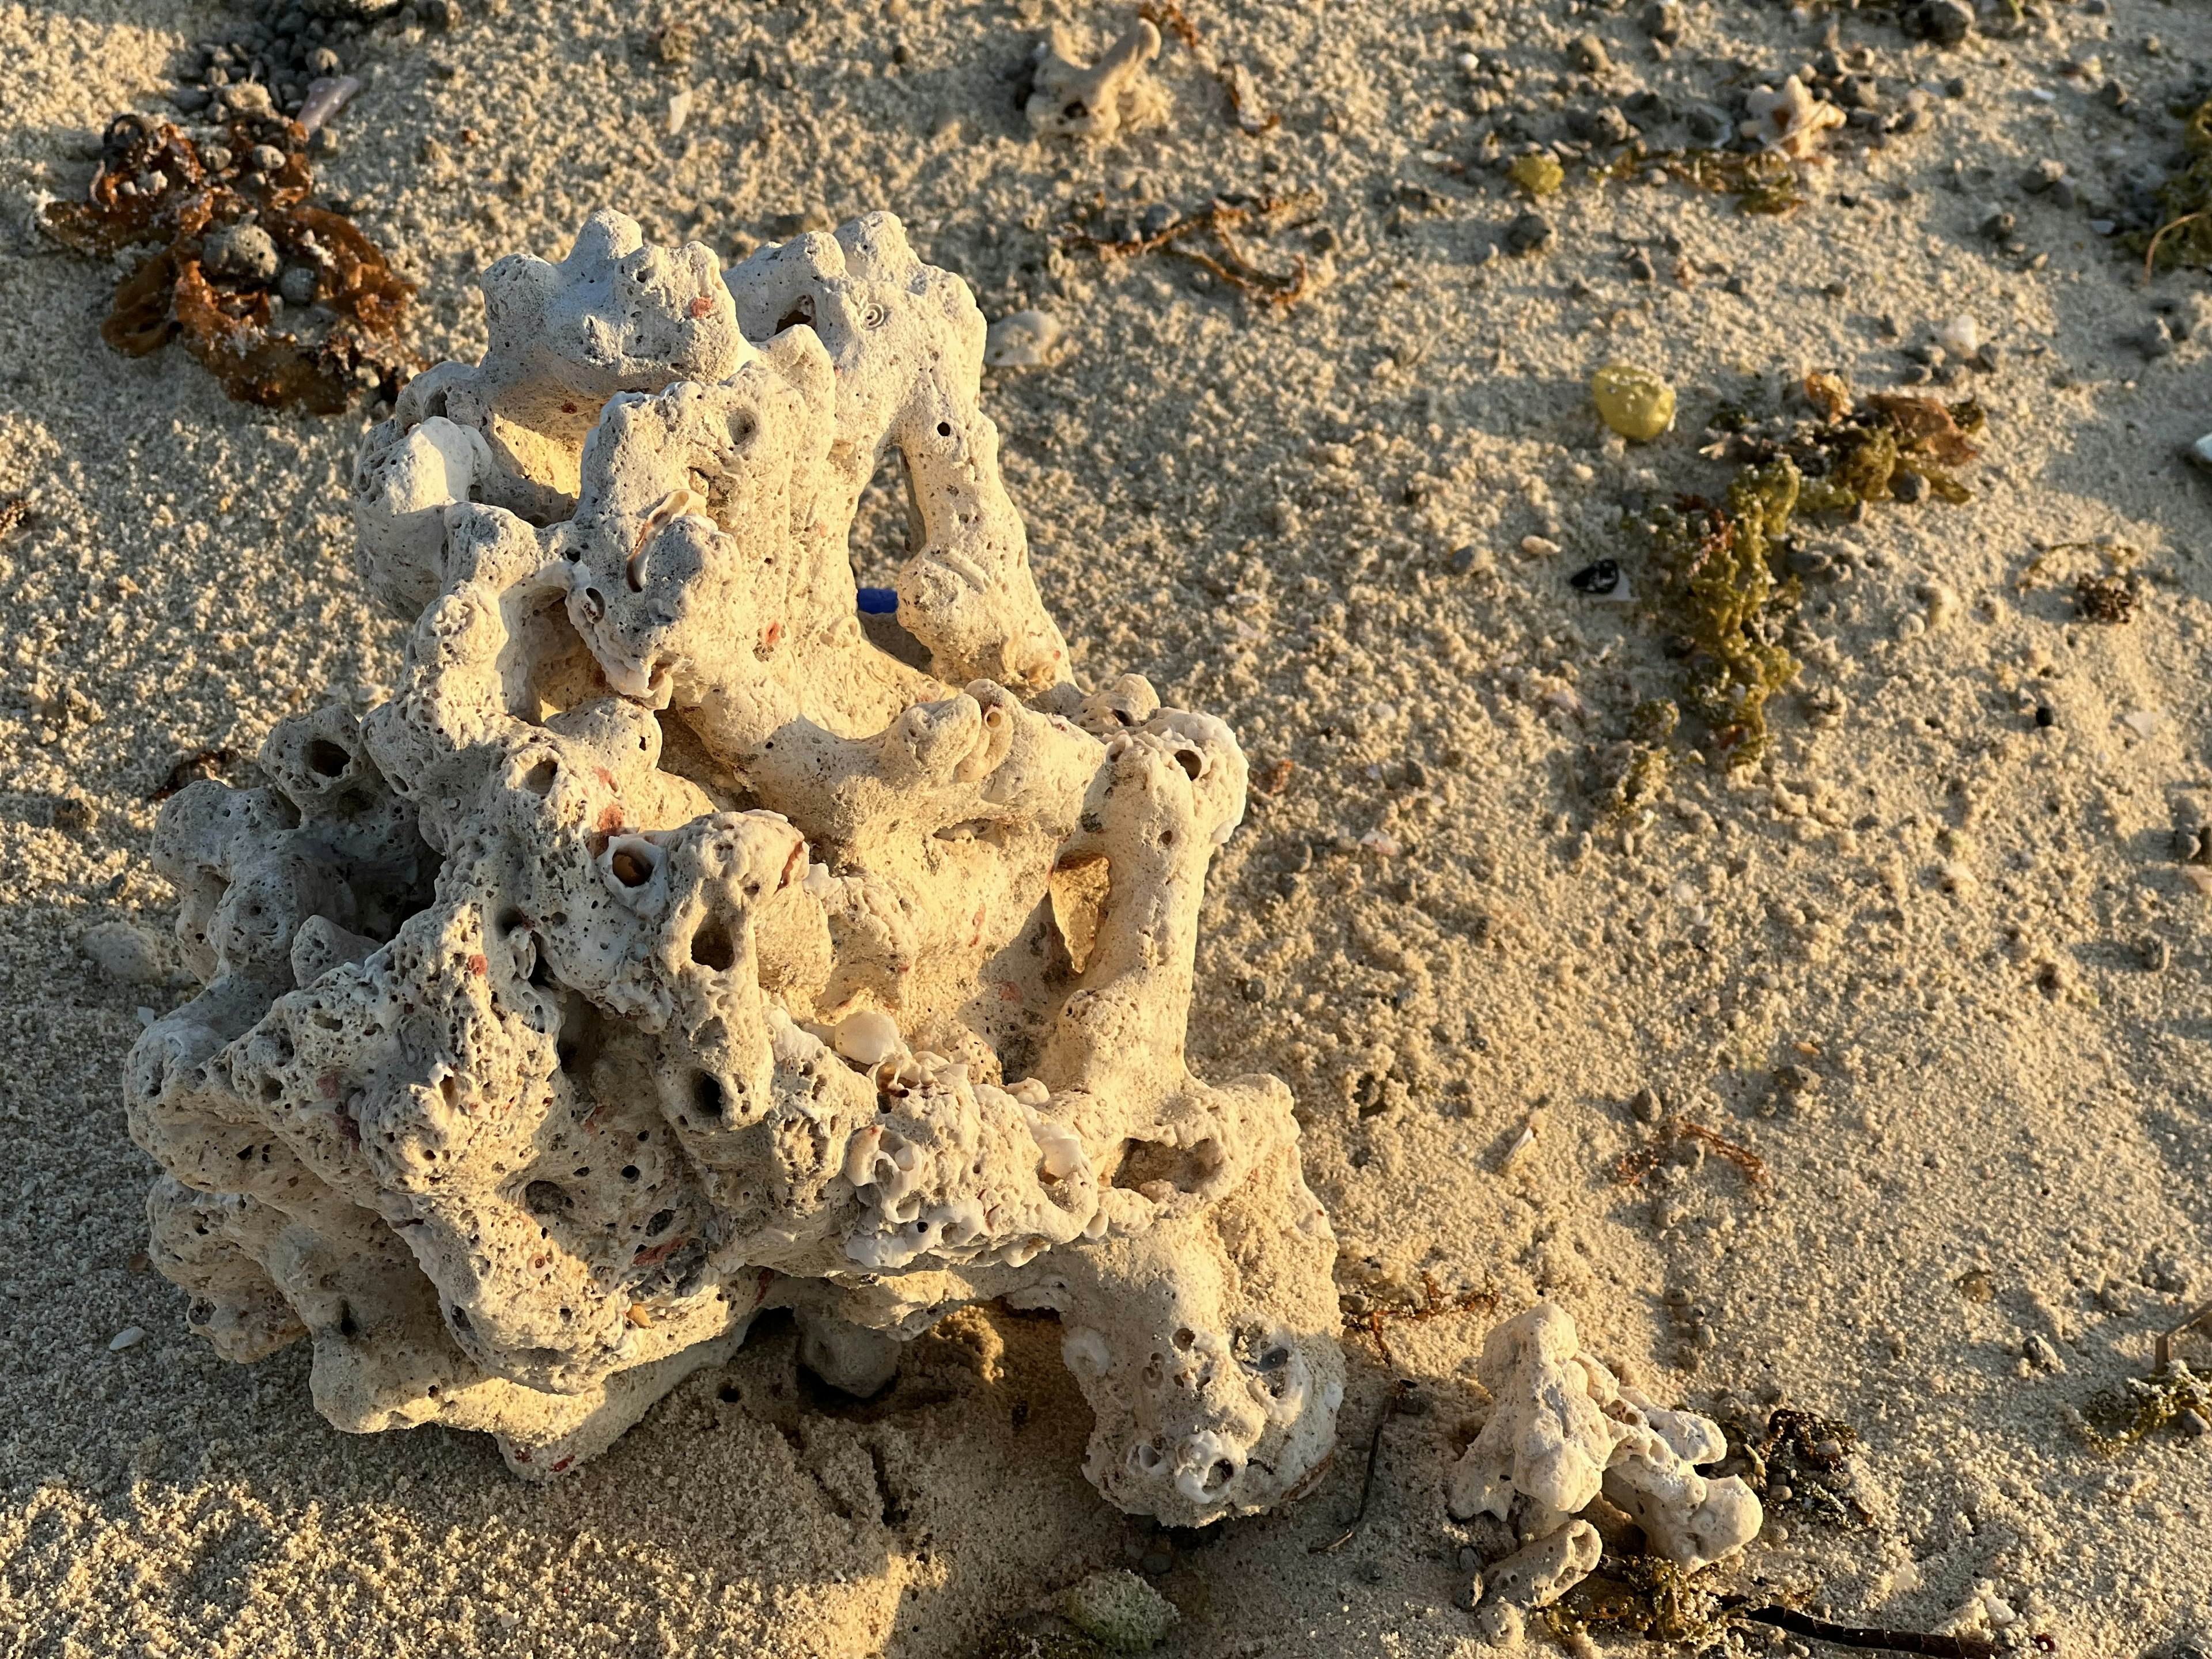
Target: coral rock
<point x="1791" y="121"/>
<point x="1563" y="1429"/>
<point x="1068" y="100"/>
<point x="663" y="950"/>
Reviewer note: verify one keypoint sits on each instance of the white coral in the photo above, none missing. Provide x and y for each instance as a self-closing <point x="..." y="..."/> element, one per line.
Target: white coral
<point x="1073" y="99"/>
<point x="1791" y="121"/>
<point x="1562" y="1428"/>
<point x="664" y="951"/>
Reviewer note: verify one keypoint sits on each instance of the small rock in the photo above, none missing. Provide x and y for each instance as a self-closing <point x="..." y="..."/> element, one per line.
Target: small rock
<point x="1946" y="22"/>
<point x="1586" y="53"/>
<point x="298" y="285"/>
<point x="129" y="1337"/>
<point x="1121" y="1610"/>
<point x="1640" y="267"/>
<point x="2199" y="454"/>
<point x="443" y="15"/>
<point x="1160" y="218"/>
<point x="2154" y="342"/>
<point x="2000" y="226"/>
<point x="1539" y="547"/>
<point x="245" y="250"/>
<point x="1707" y="124"/>
<point x="2043" y="176"/>
<point x="1530" y="232"/>
<point x="1909" y="488"/>
<point x="1634" y="402"/>
<point x="125" y="952"/>
<point x="1961" y="335"/>
<point x="1024" y="340"/>
<point x="216" y="157"/>
<point x="1604" y="125"/>
<point x="1647" y="1108"/>
<point x="1662" y="21"/>
<point x="1599" y="579"/>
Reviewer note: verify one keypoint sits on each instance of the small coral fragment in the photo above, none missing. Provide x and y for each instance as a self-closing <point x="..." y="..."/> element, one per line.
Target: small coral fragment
<point x="1563" y="1429"/>
<point x="1095" y="101"/>
<point x="1791" y="121"/>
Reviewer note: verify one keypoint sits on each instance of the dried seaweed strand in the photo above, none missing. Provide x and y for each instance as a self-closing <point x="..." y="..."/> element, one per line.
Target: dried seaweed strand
<point x="1169" y="18"/>
<point x="1399" y="1392"/>
<point x="1632" y="1169"/>
<point x="1218" y="219"/>
<point x="1885" y="1641"/>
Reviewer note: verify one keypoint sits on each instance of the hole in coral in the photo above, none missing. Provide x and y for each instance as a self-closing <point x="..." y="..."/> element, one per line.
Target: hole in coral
<point x="742" y="428"/>
<point x="630" y="870"/>
<point x="712" y="946"/>
<point x="1221" y="1475"/>
<point x="545" y="1198"/>
<point x="629" y="1172"/>
<point x="801" y="314"/>
<point x="944" y="428"/>
<point x="729" y="1393"/>
<point x="327" y="759"/>
<point x="1185" y="1336"/>
<point x="707" y="1094"/>
<point x="661" y="1221"/>
<point x="348" y="1326"/>
<point x="539" y="780"/>
<point x="1192" y="763"/>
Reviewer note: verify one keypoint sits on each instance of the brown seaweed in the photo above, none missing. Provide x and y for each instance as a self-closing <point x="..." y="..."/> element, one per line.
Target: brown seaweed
<point x="157" y="190"/>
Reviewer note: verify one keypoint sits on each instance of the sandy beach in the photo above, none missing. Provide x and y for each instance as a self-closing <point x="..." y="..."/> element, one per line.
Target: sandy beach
<point x="1928" y="975"/>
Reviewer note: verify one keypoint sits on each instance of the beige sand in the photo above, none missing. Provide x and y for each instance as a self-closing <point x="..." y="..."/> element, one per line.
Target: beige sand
<point x="1969" y="927"/>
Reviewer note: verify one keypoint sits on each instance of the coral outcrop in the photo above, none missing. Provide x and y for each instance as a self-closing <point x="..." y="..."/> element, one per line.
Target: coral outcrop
<point x="1562" y="1429"/>
<point x="664" y="951"/>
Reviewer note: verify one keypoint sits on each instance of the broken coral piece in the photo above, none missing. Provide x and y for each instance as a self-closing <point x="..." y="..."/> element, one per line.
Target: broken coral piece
<point x="1562" y="1429"/>
<point x="235" y="245"/>
<point x="663" y="951"/>
<point x="1791" y="121"/>
<point x="1068" y="100"/>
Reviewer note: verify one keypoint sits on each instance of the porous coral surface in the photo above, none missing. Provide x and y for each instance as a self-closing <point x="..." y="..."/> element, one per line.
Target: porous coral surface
<point x="664" y="951"/>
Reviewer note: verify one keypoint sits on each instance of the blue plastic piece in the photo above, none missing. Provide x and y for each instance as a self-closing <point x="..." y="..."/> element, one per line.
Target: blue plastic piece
<point x="878" y="601"/>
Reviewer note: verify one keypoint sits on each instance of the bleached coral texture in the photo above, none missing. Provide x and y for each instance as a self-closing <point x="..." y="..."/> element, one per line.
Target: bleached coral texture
<point x="664" y="951"/>
<point x="1069" y="99"/>
<point x="1562" y="1429"/>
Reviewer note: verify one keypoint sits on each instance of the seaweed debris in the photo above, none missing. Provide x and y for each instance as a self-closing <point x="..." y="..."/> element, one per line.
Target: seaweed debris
<point x="2184" y="235"/>
<point x="1433" y="1305"/>
<point x="1761" y="181"/>
<point x="2111" y="599"/>
<point x="1631" y="1170"/>
<point x="1800" y="1462"/>
<point x="1659" y="1601"/>
<point x="1236" y="80"/>
<point x="1718" y="585"/>
<point x="226" y="241"/>
<point x="1723" y="589"/>
<point x="2116" y="1418"/>
<point x="1222" y="221"/>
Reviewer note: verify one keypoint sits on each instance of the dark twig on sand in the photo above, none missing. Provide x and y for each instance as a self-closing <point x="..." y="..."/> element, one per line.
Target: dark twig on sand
<point x="1882" y="1641"/>
<point x="1399" y="1392"/>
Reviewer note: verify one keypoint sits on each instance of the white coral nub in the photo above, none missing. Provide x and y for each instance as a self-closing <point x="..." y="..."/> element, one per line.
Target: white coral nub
<point x="664" y="951"/>
<point x="1562" y="1430"/>
<point x="1069" y="100"/>
<point x="1791" y="121"/>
